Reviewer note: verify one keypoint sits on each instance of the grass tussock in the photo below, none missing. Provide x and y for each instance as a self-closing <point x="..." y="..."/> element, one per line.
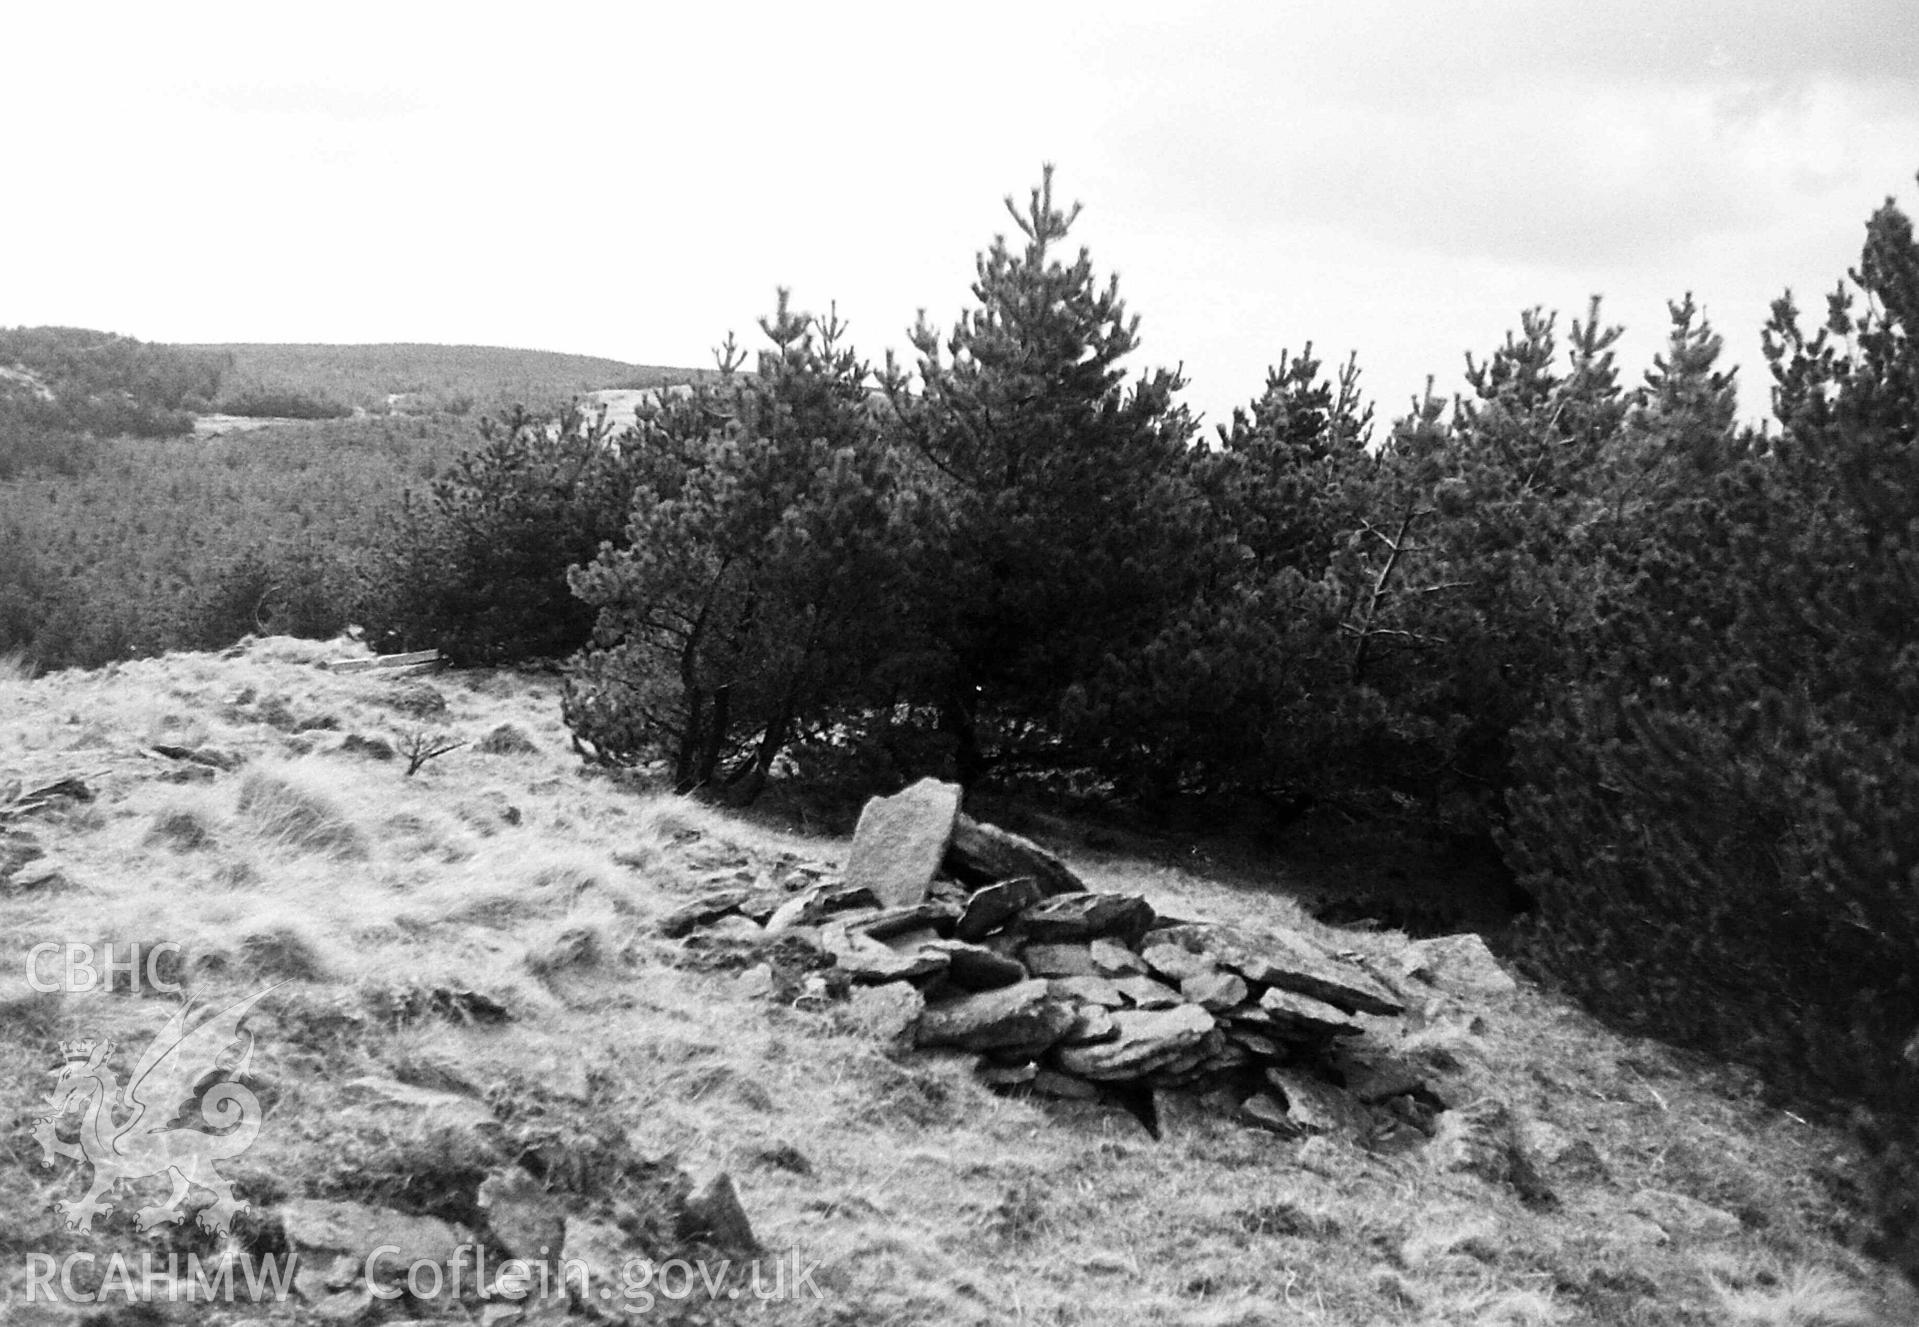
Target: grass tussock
<point x="293" y="809"/>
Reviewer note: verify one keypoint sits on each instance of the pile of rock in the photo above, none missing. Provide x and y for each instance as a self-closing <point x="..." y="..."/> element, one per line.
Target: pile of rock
<point x="1078" y="994"/>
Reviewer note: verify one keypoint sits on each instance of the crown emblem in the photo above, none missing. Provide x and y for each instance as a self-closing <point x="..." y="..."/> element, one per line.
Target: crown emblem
<point x="76" y="1051"/>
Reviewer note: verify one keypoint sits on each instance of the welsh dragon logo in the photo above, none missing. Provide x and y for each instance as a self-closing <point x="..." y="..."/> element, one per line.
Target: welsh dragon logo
<point x="181" y="1067"/>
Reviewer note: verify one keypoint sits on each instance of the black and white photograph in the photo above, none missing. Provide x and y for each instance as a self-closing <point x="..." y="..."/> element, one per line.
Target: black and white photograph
<point x="1224" y="664"/>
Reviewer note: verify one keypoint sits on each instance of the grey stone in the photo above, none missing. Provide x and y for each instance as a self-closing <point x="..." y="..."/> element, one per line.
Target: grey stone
<point x="1147" y="1039"/>
<point x="1147" y="993"/>
<point x="526" y="1220"/>
<point x="1683" y="1216"/>
<point x="977" y="968"/>
<point x="900" y="841"/>
<point x="995" y="905"/>
<point x="892" y="922"/>
<point x="1017" y="1015"/>
<point x="985" y="854"/>
<point x="1089" y="990"/>
<point x="1052" y="1083"/>
<point x="1175" y="963"/>
<point x="868" y="960"/>
<point x="1284" y="958"/>
<point x="1313" y="1105"/>
<point x="317" y="1227"/>
<point x="1085" y="916"/>
<point x="1262" y="1111"/>
<point x="815" y="904"/>
<point x="702" y="911"/>
<point x="1091" y="1023"/>
<point x="601" y="1247"/>
<point x="1459" y="965"/>
<point x="1257" y="1045"/>
<point x="1113" y="959"/>
<point x="1215" y="991"/>
<point x="713" y="1212"/>
<point x="1482" y="1138"/>
<point x="1302" y="1014"/>
<point x="1058" y="960"/>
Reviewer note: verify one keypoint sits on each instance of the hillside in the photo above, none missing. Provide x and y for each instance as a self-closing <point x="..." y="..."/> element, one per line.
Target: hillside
<point x="418" y="378"/>
<point x="475" y="1021"/>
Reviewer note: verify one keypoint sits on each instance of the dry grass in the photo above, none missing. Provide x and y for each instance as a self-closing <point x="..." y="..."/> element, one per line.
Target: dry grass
<point x="399" y="914"/>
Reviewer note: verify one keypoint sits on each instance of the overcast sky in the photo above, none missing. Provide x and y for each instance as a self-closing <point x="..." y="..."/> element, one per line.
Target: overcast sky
<point x="1396" y="177"/>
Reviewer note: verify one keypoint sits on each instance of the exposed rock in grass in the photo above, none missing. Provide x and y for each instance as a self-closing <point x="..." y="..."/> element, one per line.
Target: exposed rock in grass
<point x="1482" y="1138"/>
<point x="702" y="911"/>
<point x="324" y="1232"/>
<point x="527" y="1221"/>
<point x="1457" y="964"/>
<point x="17" y="849"/>
<point x="713" y="1214"/>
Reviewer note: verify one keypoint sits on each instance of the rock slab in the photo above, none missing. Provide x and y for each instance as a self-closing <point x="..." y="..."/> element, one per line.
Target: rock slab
<point x="901" y="840"/>
<point x="985" y="854"/>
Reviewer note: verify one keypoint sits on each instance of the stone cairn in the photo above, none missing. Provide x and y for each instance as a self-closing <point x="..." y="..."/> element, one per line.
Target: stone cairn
<point x="1071" y="993"/>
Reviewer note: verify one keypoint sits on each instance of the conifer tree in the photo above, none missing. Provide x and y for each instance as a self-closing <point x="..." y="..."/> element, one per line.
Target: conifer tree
<point x="1066" y="515"/>
<point x="755" y="593"/>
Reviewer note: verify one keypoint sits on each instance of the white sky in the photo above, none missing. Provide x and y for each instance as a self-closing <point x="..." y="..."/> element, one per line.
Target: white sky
<point x="1399" y="177"/>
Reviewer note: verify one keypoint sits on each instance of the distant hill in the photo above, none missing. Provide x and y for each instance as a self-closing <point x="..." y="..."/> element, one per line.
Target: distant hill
<point x="414" y="378"/>
<point x="60" y="386"/>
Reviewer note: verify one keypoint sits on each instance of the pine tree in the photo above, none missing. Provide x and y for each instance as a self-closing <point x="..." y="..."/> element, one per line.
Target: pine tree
<point x="756" y="593"/>
<point x="1066" y="513"/>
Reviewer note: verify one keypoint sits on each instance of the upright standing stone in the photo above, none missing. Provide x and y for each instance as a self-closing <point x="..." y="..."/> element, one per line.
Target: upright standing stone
<point x="901" y="839"/>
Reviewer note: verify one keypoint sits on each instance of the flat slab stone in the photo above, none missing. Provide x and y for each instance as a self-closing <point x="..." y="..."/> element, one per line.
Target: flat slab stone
<point x="1287" y="959"/>
<point x="1059" y="960"/>
<point x="1148" y="1039"/>
<point x="1113" y="959"/>
<point x="1293" y="1012"/>
<point x="316" y="1225"/>
<point x="1313" y="1105"/>
<point x="1149" y="994"/>
<point x="702" y="911"/>
<point x="1091" y="1023"/>
<point x="1458" y="964"/>
<point x="897" y="921"/>
<point x="817" y="902"/>
<point x="1017" y="1015"/>
<point x="868" y="960"/>
<point x="995" y="905"/>
<point x="1174" y="962"/>
<point x="901" y="840"/>
<point x="981" y="854"/>
<point x="977" y="968"/>
<point x="1215" y="991"/>
<point x="1090" y="990"/>
<point x="1085" y="917"/>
